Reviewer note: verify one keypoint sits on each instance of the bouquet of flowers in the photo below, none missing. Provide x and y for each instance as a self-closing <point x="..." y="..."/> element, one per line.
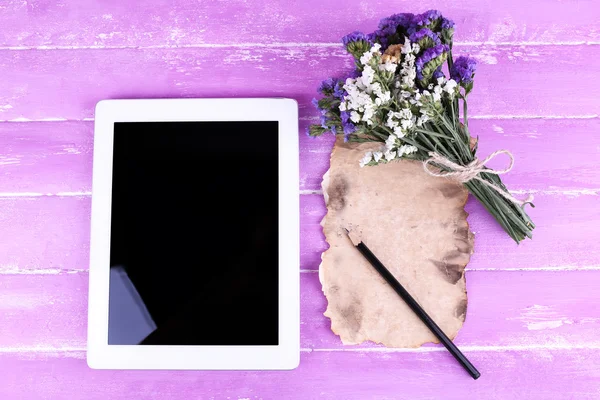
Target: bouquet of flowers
<point x="400" y="95"/>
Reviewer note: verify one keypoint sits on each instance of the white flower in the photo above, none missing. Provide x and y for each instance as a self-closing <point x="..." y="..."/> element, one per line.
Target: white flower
<point x="377" y="156"/>
<point x="406" y="149"/>
<point x="367" y="76"/>
<point x="405" y="113"/>
<point x="408" y="48"/>
<point x="375" y="88"/>
<point x="366" y="159"/>
<point x="441" y="80"/>
<point x="355" y="117"/>
<point x="450" y="86"/>
<point x="376" y="47"/>
<point x="390" y="155"/>
<point x="343" y="106"/>
<point x="383" y="97"/>
<point x="366" y="57"/>
<point x="390" y="143"/>
<point x="406" y="124"/>
<point x="422" y="119"/>
<point x="388" y="66"/>
<point x="399" y="132"/>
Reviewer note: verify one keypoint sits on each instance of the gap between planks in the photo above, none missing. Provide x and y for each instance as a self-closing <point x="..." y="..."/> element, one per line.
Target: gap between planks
<point x="12" y="270"/>
<point x="589" y="116"/>
<point x="276" y="44"/>
<point x="79" y="351"/>
<point x="90" y="119"/>
<point x="308" y="192"/>
<point x="556" y="268"/>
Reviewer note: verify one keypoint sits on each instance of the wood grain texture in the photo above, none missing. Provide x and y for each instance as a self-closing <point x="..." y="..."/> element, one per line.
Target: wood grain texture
<point x="46" y="312"/>
<point x="46" y="234"/>
<point x="542" y="164"/>
<point x="531" y="326"/>
<point x="168" y="23"/>
<point x="56" y="157"/>
<point x="511" y="80"/>
<point x="47" y="158"/>
<point x="323" y="375"/>
<point x="565" y="236"/>
<point x="51" y="234"/>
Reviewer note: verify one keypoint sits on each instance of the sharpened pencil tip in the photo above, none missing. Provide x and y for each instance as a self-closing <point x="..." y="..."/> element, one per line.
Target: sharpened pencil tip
<point x="354" y="238"/>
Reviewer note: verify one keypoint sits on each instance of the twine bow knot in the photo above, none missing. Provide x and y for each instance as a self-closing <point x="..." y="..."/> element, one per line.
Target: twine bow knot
<point x="466" y="173"/>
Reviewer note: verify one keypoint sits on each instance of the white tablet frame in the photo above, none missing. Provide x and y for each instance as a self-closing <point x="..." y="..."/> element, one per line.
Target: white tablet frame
<point x="286" y="355"/>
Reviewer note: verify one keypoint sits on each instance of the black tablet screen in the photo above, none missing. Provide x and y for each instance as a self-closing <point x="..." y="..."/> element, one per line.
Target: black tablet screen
<point x="194" y="234"/>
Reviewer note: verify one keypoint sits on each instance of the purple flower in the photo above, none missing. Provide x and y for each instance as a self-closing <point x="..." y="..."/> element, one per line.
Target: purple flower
<point x="425" y="38"/>
<point x="393" y="29"/>
<point x="354" y="37"/>
<point x="390" y="25"/>
<point x="315" y="103"/>
<point x="357" y="43"/>
<point x="372" y="37"/>
<point x="434" y="20"/>
<point x="339" y="92"/>
<point x="463" y="70"/>
<point x="447" y="23"/>
<point x="447" y="31"/>
<point x="324" y="121"/>
<point x="428" y="18"/>
<point x="349" y="129"/>
<point x="345" y="115"/>
<point x="429" y="55"/>
<point x="438" y="73"/>
<point x="327" y="86"/>
<point x="355" y="74"/>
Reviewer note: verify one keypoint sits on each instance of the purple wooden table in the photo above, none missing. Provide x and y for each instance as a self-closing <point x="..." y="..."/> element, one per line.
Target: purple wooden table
<point x="533" y="324"/>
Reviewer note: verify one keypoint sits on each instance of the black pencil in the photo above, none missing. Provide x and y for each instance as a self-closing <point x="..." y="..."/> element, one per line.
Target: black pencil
<point x="412" y="303"/>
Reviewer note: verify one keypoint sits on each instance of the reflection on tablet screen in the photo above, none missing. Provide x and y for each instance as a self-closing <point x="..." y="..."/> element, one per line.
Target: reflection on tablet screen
<point x="194" y="234"/>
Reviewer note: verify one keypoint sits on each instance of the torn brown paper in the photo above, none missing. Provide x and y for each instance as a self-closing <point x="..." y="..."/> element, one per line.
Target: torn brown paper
<point x="416" y="225"/>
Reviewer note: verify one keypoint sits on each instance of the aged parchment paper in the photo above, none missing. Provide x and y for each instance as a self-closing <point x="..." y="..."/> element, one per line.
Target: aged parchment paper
<point x="416" y="225"/>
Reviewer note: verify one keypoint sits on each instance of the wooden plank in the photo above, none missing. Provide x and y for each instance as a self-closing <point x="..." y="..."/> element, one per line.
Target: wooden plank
<point x="506" y="310"/>
<point x="531" y="375"/>
<point x="537" y="144"/>
<point x="565" y="236"/>
<point x="43" y="310"/>
<point x="160" y="22"/>
<point x="548" y="309"/>
<point x="512" y="80"/>
<point x="56" y="157"/>
<point x="44" y="234"/>
<point x="52" y="234"/>
<point x="46" y="157"/>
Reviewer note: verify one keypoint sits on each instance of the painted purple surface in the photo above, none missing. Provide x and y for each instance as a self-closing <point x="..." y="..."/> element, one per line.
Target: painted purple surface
<point x="511" y="80"/>
<point x="324" y="375"/>
<point x="532" y="321"/>
<point x="50" y="311"/>
<point x="169" y="23"/>
<point x="57" y="158"/>
<point x="56" y="231"/>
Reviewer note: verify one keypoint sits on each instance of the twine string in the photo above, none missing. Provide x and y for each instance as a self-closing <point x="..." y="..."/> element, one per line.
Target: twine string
<point x="466" y="173"/>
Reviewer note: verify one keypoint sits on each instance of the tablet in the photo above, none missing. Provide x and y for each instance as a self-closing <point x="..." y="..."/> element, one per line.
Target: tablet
<point x="194" y="254"/>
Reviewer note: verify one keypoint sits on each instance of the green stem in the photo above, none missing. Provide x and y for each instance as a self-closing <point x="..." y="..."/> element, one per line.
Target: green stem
<point x="465" y="120"/>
